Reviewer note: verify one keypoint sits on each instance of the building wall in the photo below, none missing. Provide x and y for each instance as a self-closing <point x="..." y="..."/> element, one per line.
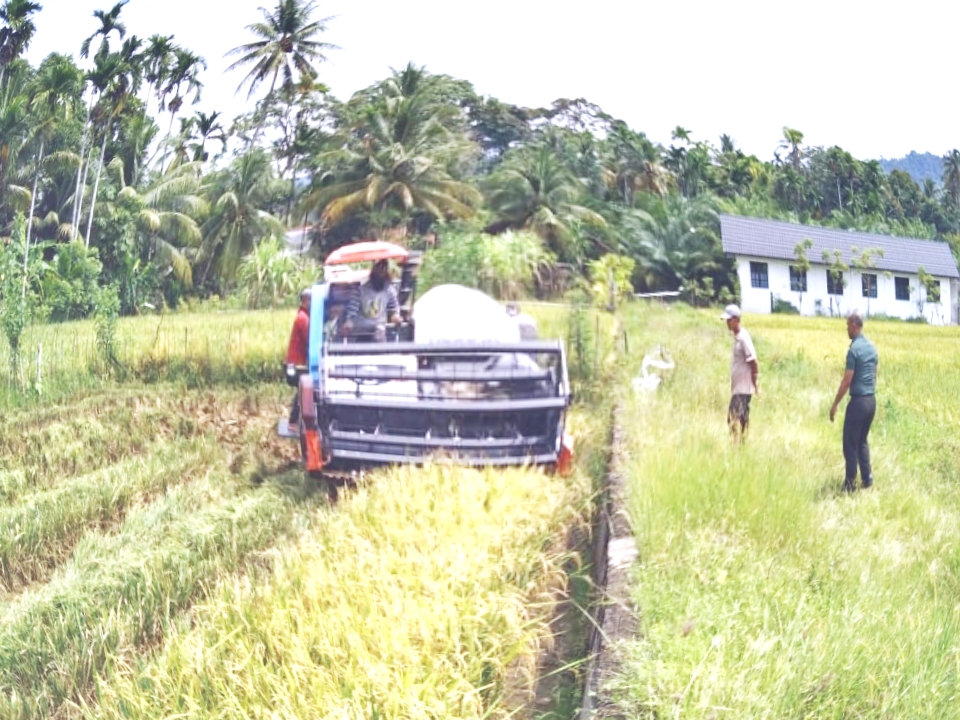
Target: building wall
<point x="817" y="301"/>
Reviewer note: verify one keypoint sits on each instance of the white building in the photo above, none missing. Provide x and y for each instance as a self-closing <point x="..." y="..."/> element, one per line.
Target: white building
<point x="882" y="275"/>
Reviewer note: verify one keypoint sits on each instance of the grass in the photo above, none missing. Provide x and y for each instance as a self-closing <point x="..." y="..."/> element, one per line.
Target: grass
<point x="763" y="591"/>
<point x="240" y="348"/>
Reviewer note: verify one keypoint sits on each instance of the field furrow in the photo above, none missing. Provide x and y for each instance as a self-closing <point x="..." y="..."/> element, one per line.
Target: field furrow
<point x="38" y="532"/>
<point x="120" y="592"/>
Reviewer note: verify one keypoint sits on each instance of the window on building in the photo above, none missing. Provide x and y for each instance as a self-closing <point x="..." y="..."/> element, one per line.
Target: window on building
<point x="868" y="285"/>
<point x="902" y="287"/>
<point x="933" y="291"/>
<point x="758" y="275"/>
<point x="798" y="279"/>
<point x="834" y="282"/>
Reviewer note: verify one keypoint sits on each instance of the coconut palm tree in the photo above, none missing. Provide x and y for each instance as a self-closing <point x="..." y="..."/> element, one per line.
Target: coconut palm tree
<point x="238" y="218"/>
<point x="170" y="210"/>
<point x="792" y="139"/>
<point x="286" y="45"/>
<point x="17" y="31"/>
<point x="675" y="241"/>
<point x="397" y="160"/>
<point x="634" y="164"/>
<point x="951" y="176"/>
<point x="533" y="190"/>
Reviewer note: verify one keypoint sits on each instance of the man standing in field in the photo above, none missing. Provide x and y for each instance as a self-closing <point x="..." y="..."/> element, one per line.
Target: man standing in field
<point x="860" y="378"/>
<point x="744" y="370"/>
<point x="297" y="352"/>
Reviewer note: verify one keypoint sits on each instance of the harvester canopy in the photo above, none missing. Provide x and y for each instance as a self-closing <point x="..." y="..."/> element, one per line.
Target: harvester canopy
<point x="367" y="251"/>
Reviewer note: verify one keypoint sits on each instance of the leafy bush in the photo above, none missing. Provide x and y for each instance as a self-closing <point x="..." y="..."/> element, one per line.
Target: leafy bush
<point x="784" y="307"/>
<point x="581" y="343"/>
<point x="504" y="266"/>
<point x="68" y="286"/>
<point x="610" y="280"/>
<point x="16" y="306"/>
<point x="106" y="318"/>
<point x="268" y="276"/>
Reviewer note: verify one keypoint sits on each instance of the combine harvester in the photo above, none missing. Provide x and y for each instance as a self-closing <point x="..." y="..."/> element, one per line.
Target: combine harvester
<point x="462" y="378"/>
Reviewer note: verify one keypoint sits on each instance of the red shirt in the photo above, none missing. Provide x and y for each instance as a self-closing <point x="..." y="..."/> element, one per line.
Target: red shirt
<point x="299" y="339"/>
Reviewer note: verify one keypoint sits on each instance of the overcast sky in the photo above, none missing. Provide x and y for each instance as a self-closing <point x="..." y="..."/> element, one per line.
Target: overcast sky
<point x="877" y="82"/>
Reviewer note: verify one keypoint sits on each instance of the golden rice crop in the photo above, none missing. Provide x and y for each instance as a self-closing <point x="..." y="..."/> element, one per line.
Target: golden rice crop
<point x="411" y="599"/>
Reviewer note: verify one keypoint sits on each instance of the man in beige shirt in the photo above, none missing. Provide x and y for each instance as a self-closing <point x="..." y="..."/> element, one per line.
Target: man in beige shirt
<point x="743" y="374"/>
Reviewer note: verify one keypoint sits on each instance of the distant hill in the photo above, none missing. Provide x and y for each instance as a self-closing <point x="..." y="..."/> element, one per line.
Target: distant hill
<point x="920" y="166"/>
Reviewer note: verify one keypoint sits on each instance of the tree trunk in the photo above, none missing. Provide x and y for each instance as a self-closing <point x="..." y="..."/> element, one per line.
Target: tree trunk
<point x="82" y="186"/>
<point x="33" y="205"/>
<point x="293" y="192"/>
<point x="78" y="195"/>
<point x="166" y="140"/>
<point x="96" y="187"/>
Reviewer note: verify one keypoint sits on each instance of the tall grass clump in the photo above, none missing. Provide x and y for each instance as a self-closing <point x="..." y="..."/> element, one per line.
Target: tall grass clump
<point x="424" y="595"/>
<point x="764" y="591"/>
<point x="505" y="266"/>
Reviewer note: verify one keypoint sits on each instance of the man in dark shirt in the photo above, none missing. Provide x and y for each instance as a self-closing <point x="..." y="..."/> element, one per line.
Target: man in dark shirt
<point x="860" y="378"/>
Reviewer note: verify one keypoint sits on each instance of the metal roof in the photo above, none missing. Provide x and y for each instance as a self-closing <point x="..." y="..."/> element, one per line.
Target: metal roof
<point x="777" y="240"/>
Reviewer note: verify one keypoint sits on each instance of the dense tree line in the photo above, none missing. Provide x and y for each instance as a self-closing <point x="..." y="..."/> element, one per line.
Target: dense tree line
<point x="123" y="186"/>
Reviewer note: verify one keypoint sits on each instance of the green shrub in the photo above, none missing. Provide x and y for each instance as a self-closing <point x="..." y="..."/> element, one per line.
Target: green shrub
<point x="69" y="285"/>
<point x="269" y="276"/>
<point x="16" y="306"/>
<point x="610" y="280"/>
<point x="784" y="307"/>
<point x="105" y="320"/>
<point x="504" y="266"/>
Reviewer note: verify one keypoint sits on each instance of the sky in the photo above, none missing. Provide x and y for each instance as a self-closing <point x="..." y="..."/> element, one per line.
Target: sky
<point x="877" y="80"/>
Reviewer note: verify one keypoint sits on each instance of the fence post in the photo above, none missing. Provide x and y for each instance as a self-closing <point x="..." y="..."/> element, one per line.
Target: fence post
<point x="596" y="353"/>
<point x="39" y="363"/>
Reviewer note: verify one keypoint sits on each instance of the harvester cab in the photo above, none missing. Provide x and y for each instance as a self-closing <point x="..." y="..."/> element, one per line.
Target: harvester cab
<point x="460" y="377"/>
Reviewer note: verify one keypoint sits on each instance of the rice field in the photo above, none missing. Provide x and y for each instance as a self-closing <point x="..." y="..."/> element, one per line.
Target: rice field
<point x="193" y="349"/>
<point x="763" y="591"/>
<point x="161" y="554"/>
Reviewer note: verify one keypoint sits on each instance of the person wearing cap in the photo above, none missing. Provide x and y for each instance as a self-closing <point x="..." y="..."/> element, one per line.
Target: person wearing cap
<point x="297" y="351"/>
<point x="860" y="378"/>
<point x="744" y="370"/>
<point x="374" y="303"/>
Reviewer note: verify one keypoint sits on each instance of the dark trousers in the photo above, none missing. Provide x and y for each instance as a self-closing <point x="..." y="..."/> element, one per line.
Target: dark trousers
<point x="738" y="414"/>
<point x="295" y="411"/>
<point x="856" y="427"/>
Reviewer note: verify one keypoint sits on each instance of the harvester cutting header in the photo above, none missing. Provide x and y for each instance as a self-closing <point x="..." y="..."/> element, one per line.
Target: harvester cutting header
<point x="455" y="375"/>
